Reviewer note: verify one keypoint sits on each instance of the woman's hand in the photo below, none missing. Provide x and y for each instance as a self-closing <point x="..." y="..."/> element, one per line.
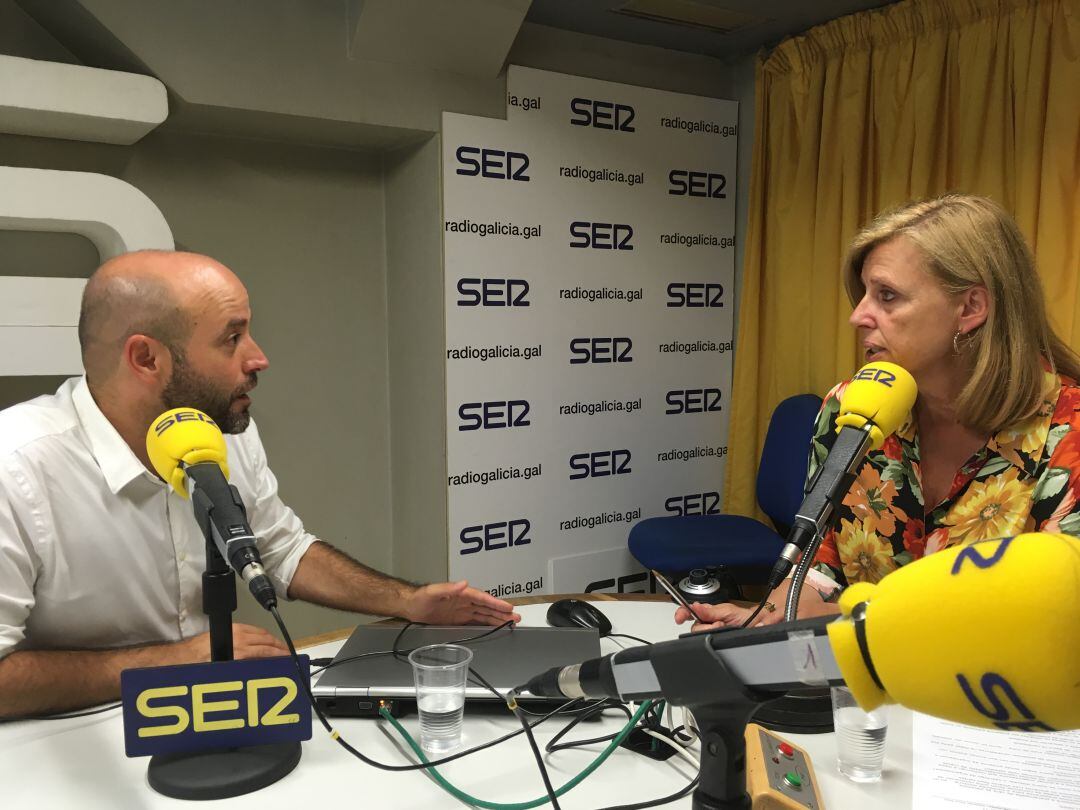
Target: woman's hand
<point x="716" y="617"/>
<point x="811" y="603"/>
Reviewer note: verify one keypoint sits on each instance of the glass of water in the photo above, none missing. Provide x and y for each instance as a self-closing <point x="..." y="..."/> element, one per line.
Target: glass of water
<point x="440" y="671"/>
<point x="860" y="737"/>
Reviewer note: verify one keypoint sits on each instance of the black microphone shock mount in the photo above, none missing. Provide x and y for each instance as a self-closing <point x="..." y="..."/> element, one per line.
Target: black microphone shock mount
<point x="824" y="492"/>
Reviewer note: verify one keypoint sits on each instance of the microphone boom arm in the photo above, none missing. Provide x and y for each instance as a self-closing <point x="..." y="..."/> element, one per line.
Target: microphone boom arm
<point x="722" y="676"/>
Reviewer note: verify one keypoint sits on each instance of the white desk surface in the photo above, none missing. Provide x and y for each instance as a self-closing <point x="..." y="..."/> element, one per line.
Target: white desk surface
<point x="81" y="762"/>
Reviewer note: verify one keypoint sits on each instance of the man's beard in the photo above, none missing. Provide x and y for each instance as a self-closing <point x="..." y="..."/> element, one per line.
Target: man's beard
<point x="187" y="389"/>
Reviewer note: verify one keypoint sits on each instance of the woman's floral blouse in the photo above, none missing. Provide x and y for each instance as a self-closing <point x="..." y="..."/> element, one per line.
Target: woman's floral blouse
<point x="1026" y="478"/>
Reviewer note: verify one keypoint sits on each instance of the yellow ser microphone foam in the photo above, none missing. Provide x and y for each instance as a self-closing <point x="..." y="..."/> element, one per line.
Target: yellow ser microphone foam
<point x="184" y="436"/>
<point x="881" y="394"/>
<point x="986" y="634"/>
<point x="186" y="446"/>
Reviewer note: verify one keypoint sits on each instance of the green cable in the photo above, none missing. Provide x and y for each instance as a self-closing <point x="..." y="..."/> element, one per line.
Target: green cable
<point x="465" y="797"/>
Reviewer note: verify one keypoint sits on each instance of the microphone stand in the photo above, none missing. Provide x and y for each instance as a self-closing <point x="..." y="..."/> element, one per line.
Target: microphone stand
<point x="722" y="705"/>
<point x="219" y="586"/>
<point x="224" y="772"/>
<point x="693" y="671"/>
<point x="798" y="578"/>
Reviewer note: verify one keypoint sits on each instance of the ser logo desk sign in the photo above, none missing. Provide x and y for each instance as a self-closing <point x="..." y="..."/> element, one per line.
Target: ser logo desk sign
<point x="221" y="704"/>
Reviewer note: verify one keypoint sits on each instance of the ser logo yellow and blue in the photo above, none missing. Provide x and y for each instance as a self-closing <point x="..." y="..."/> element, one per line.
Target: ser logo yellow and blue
<point x="220" y="704"/>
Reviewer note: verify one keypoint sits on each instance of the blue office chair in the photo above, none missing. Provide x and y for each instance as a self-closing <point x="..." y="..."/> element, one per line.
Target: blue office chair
<point x="745" y="546"/>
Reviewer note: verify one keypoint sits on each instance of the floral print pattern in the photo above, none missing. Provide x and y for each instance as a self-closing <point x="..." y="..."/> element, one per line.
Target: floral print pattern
<point x="1026" y="478"/>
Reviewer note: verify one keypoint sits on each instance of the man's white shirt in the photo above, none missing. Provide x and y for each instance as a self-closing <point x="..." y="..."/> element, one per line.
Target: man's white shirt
<point x="95" y="550"/>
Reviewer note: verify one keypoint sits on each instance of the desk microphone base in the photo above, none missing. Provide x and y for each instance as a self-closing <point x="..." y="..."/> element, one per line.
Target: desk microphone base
<point x="800" y="711"/>
<point x="222" y="773"/>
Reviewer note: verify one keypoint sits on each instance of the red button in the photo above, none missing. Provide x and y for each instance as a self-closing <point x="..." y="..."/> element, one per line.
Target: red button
<point x="787" y="750"/>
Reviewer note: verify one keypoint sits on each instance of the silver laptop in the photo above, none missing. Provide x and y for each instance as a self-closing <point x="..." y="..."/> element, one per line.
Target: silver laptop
<point x="354" y="686"/>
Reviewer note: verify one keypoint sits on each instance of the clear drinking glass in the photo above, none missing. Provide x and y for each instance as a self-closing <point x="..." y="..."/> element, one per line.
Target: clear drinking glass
<point x="440" y="671"/>
<point x="860" y="737"/>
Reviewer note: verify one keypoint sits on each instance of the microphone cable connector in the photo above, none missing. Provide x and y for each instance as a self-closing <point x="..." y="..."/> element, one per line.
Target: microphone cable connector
<point x="259" y="584"/>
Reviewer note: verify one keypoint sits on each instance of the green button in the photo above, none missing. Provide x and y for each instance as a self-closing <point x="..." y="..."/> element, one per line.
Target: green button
<point x="793" y="779"/>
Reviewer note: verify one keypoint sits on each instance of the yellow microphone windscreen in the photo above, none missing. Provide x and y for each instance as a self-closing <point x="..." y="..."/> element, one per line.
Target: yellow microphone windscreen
<point x="984" y="634"/>
<point x="184" y="435"/>
<point x="881" y="394"/>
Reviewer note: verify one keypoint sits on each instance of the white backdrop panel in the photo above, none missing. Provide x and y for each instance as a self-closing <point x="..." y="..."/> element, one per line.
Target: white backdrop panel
<point x="589" y="258"/>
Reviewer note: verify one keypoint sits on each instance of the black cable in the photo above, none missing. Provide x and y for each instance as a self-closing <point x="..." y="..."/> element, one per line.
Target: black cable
<point x="627" y="635"/>
<point x="419" y="766"/>
<point x="539" y="760"/>
<point x="334" y="663"/>
<point x="484" y="682"/>
<point x="757" y="610"/>
<point x="656" y="713"/>
<point x="568" y="711"/>
<point x="526" y="726"/>
<point x="396" y="652"/>
<point x="398" y="637"/>
<point x="532" y="743"/>
<point x="472" y="672"/>
<point x="682" y="734"/>
<point x="473" y="676"/>
<point x="657" y="802"/>
<point x="553" y="744"/>
<point x="87" y="713"/>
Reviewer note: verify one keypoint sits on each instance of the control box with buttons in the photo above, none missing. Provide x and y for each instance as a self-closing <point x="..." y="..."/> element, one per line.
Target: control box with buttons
<point x="779" y="775"/>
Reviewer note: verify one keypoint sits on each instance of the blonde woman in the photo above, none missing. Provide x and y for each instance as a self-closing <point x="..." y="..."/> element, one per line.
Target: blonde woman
<point x="947" y="288"/>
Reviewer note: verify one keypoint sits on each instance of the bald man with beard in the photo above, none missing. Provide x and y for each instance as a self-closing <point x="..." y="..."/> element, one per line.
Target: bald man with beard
<point x="100" y="562"/>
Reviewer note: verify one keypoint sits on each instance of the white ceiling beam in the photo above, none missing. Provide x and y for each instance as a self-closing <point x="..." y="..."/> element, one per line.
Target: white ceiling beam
<point x="55" y="100"/>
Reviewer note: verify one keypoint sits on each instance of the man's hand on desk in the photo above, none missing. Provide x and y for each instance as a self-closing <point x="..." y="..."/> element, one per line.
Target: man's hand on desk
<point x="457" y="603"/>
<point x="34" y="682"/>
<point x="248" y="642"/>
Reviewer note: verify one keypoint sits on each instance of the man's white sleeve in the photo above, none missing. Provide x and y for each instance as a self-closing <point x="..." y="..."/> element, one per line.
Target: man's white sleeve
<point x="281" y="535"/>
<point x="19" y="563"/>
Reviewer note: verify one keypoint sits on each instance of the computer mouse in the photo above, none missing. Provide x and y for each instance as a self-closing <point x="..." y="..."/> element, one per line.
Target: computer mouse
<point x="578" y="613"/>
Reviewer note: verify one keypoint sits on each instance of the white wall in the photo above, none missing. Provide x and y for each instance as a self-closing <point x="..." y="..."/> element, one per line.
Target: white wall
<point x="303" y="228"/>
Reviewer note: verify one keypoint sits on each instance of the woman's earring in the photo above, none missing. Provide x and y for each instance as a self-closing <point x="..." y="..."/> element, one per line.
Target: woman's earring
<point x="956" y="341"/>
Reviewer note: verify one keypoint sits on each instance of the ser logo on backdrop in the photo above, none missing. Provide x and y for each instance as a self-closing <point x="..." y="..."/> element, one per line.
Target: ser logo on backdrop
<point x="622" y="584"/>
<point x="688" y="183"/>
<point x="496" y="164"/>
<point x="504" y="413"/>
<point x="695" y="294"/>
<point x="694" y="503"/>
<point x="495" y="535"/>
<point x="587" y="112"/>
<point x="493" y="292"/>
<point x="692" y="400"/>
<point x="601" y="350"/>
<point x="601" y="235"/>
<point x="599" y="464"/>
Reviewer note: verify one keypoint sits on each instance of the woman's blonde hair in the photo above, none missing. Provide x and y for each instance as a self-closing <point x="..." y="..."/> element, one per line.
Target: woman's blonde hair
<point x="965" y="241"/>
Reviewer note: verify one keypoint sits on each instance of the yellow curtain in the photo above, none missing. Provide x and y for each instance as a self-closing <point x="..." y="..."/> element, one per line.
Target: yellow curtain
<point x="867" y="112"/>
